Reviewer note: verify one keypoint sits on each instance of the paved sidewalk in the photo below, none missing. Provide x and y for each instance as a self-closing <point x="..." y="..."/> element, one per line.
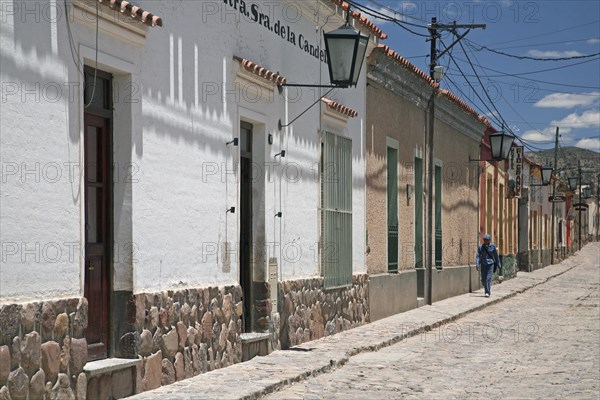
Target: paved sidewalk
<point x="263" y="375"/>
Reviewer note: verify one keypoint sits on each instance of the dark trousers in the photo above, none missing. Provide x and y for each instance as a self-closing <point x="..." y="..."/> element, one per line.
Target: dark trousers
<point x="486" y="277"/>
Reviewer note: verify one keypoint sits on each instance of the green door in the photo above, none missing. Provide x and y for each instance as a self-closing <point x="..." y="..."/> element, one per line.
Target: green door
<point x="392" y="208"/>
<point x="418" y="212"/>
<point x="438" y="217"/>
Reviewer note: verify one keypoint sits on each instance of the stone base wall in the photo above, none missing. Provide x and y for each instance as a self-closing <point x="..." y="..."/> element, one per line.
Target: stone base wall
<point x="309" y="311"/>
<point x="180" y="334"/>
<point x="523" y="261"/>
<point x="42" y="350"/>
<point x="509" y="266"/>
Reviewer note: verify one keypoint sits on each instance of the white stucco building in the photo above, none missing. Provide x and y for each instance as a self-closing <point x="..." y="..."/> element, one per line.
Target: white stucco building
<point x="148" y="192"/>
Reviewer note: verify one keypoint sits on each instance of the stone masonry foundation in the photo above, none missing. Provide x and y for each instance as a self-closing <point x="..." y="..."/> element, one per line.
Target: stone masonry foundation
<point x="42" y="350"/>
<point x="309" y="311"/>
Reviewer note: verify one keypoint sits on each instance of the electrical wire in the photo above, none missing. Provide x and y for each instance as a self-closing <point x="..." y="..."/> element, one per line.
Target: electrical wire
<point x="475" y="106"/>
<point x="524" y="120"/>
<point x="542" y="44"/>
<point x="529" y="86"/>
<point x="379" y="15"/>
<point x="495" y="115"/>
<point x="533" y="72"/>
<point x="504" y="123"/>
<point x="481" y="47"/>
<point x="518" y="76"/>
<point x="546" y="33"/>
<point x="396" y="12"/>
<point x="516" y="112"/>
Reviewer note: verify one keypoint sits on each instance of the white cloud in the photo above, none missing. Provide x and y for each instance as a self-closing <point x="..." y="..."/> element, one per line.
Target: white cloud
<point x="589" y="119"/>
<point x="568" y="100"/>
<point x="590" y="144"/>
<point x="593" y="41"/>
<point x="553" y="54"/>
<point x="536" y="136"/>
<point x="546" y="135"/>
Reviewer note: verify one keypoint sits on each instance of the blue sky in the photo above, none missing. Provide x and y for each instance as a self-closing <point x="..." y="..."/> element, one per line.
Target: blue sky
<point x="532" y="96"/>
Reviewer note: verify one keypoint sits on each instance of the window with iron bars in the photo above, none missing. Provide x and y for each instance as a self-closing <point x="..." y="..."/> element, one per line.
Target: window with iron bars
<point x="336" y="210"/>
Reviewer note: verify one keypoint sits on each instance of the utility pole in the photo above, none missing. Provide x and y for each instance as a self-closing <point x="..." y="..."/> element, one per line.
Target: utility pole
<point x="580" y="206"/>
<point x="433" y="36"/>
<point x="554" y="195"/>
<point x="598" y="207"/>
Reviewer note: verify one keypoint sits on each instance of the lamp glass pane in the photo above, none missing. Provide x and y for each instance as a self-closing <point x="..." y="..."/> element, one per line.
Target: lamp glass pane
<point x="360" y="56"/>
<point x="507" y="143"/>
<point x="496" y="145"/>
<point x="340" y="58"/>
<point x="340" y="45"/>
<point x="572" y="182"/>
<point x="587" y="192"/>
<point x="546" y="175"/>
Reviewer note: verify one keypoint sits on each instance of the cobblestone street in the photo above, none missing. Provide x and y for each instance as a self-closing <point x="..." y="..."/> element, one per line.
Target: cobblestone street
<point x="543" y="343"/>
<point x="537" y="337"/>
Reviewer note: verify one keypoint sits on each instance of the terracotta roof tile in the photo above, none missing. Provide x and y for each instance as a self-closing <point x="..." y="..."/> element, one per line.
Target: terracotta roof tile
<point x="406" y="64"/>
<point x="417" y="71"/>
<point x="364" y="21"/>
<point x="134" y="12"/>
<point x="340" y="108"/>
<point x="458" y="101"/>
<point x="261" y="71"/>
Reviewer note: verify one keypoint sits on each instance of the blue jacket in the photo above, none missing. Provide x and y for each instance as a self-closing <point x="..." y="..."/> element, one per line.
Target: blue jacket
<point x="483" y="258"/>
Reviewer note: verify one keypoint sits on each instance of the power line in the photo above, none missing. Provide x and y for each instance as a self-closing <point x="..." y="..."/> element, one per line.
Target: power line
<point x="546" y="33"/>
<point x="376" y="14"/>
<point x="479" y="80"/>
<point x="490" y="114"/>
<point x="475" y="106"/>
<point x="498" y="117"/>
<point x="526" y="86"/>
<point x="509" y="105"/>
<point x="540" y="70"/>
<point x="542" y="44"/>
<point x="518" y="75"/>
<point x="398" y="12"/>
<point x="534" y="58"/>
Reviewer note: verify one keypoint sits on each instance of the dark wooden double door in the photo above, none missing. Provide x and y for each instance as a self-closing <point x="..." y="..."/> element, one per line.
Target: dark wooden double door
<point x="98" y="186"/>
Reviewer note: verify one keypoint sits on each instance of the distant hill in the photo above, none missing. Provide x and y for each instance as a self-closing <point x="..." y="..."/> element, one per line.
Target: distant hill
<point x="567" y="160"/>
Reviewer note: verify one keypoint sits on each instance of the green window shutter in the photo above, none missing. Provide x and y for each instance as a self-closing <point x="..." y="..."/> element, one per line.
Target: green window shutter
<point x="336" y="210"/>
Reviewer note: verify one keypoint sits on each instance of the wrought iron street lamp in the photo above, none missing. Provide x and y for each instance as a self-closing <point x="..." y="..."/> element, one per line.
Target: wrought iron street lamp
<point x="573" y="181"/>
<point x="587" y="192"/>
<point x="546" y="176"/>
<point x="346" y="49"/>
<point x="500" y="144"/>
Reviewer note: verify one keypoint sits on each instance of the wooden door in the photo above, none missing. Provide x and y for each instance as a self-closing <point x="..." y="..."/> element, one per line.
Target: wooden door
<point x="246" y="237"/>
<point x="392" y="208"/>
<point x="438" y="217"/>
<point x="97" y="223"/>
